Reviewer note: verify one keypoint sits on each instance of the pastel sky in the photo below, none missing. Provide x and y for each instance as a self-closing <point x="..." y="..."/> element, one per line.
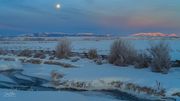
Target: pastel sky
<point x="96" y="16"/>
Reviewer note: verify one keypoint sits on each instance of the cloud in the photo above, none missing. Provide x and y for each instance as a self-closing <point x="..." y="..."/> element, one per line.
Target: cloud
<point x="23" y="6"/>
<point x="93" y="15"/>
<point x="10" y="27"/>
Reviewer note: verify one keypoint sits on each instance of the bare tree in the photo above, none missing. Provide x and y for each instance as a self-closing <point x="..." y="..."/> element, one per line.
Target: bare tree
<point x="161" y="60"/>
<point x="63" y="49"/>
<point x="122" y="53"/>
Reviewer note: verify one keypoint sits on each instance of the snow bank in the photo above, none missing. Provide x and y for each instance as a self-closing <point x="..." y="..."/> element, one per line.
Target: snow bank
<point x="5" y="79"/>
<point x="7" y="65"/>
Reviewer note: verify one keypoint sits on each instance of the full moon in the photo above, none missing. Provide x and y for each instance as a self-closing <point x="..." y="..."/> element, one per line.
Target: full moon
<point x="58" y="6"/>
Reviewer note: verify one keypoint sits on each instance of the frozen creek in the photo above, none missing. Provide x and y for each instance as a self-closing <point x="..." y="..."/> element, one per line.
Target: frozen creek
<point x="33" y="79"/>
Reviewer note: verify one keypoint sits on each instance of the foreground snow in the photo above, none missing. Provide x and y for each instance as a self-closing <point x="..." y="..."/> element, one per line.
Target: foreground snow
<point x="88" y="71"/>
<point x="6" y="65"/>
<point x="9" y="95"/>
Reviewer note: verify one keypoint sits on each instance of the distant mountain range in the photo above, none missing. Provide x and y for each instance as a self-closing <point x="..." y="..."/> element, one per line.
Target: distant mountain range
<point x="154" y="35"/>
<point x="59" y="34"/>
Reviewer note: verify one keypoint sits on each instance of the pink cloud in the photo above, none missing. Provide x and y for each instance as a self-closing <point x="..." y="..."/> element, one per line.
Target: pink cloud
<point x="141" y="21"/>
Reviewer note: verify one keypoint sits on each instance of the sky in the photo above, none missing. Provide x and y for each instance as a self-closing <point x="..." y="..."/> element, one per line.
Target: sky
<point x="90" y="16"/>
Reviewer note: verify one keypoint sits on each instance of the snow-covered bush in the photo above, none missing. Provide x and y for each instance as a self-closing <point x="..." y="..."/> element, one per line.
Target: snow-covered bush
<point x="122" y="52"/>
<point x="25" y="53"/>
<point x="99" y="61"/>
<point x="160" y="89"/>
<point x="75" y="59"/>
<point x="40" y="55"/>
<point x="63" y="49"/>
<point x="160" y="54"/>
<point x="3" y="52"/>
<point x="65" y="65"/>
<point x="92" y="54"/>
<point x="34" y="61"/>
<point x="176" y="63"/>
<point x="142" y="60"/>
<point x="56" y="76"/>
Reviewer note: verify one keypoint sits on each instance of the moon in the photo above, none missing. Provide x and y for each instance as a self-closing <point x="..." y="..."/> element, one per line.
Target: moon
<point x="58" y="6"/>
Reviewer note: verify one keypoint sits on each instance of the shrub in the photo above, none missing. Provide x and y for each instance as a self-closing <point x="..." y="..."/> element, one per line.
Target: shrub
<point x="98" y="61"/>
<point x="160" y="53"/>
<point x="51" y="58"/>
<point x="34" y="61"/>
<point x="63" y="49"/>
<point x="9" y="59"/>
<point x="75" y="59"/>
<point x="176" y="63"/>
<point x="26" y="53"/>
<point x="56" y="77"/>
<point x="142" y="60"/>
<point x="159" y="89"/>
<point x="40" y="55"/>
<point x="122" y="53"/>
<point x="65" y="65"/>
<point x="3" y="52"/>
<point x="176" y="94"/>
<point x="92" y="54"/>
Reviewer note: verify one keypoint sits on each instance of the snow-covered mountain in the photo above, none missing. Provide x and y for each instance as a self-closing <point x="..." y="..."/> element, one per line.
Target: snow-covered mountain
<point x="156" y="34"/>
<point x="58" y="34"/>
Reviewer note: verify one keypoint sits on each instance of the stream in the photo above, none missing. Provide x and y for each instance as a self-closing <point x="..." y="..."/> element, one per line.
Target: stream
<point x="25" y="82"/>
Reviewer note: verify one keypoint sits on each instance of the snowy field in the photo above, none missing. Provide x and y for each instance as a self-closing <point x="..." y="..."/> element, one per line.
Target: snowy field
<point x="84" y="44"/>
<point x="100" y="76"/>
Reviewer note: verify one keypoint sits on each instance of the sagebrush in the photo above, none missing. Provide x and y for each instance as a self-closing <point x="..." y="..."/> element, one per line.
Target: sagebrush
<point x="64" y="48"/>
<point x="142" y="60"/>
<point x="160" y="54"/>
<point x="92" y="54"/>
<point x="122" y="53"/>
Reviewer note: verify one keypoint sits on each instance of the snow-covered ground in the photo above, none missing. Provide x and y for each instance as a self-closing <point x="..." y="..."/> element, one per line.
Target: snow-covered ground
<point x="83" y="44"/>
<point x="5" y="65"/>
<point x="10" y="95"/>
<point x="87" y="71"/>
